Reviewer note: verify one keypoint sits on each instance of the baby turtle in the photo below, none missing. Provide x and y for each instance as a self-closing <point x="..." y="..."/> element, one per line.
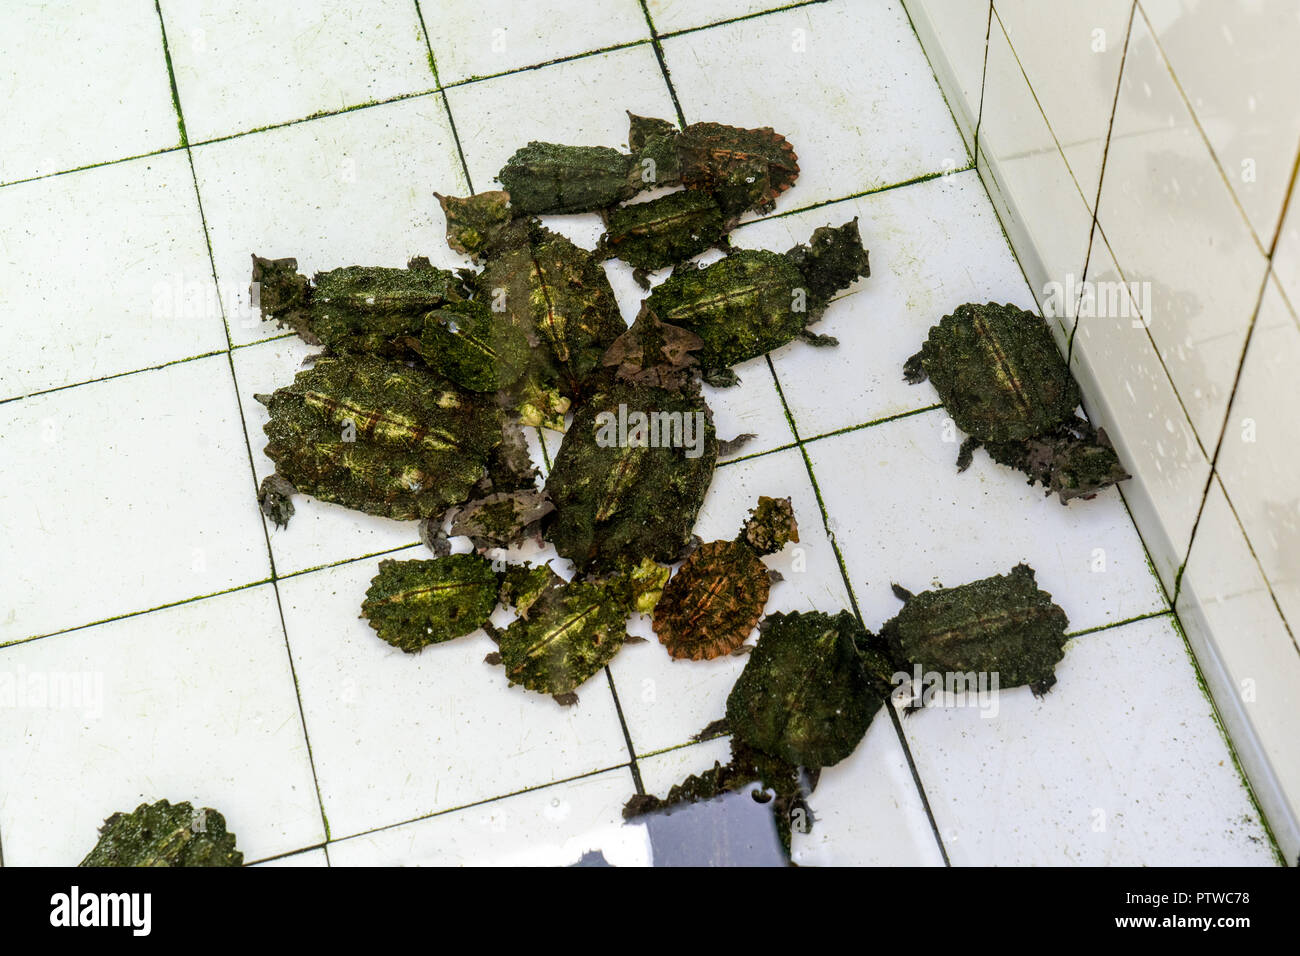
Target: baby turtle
<point x="717" y="596"/>
<point x="742" y="169"/>
<point x="651" y="352"/>
<point x="161" y="834"/>
<point x="1004" y="625"/>
<point x="412" y="604"/>
<point x="548" y="178"/>
<point x="376" y="436"/>
<point x="753" y="301"/>
<point x="567" y="631"/>
<point x="503" y="519"/>
<point x="630" y="475"/>
<point x="1000" y="376"/>
<point x="664" y="231"/>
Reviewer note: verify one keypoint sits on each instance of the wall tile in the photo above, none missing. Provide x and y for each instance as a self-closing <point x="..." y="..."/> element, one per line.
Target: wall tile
<point x="953" y="33"/>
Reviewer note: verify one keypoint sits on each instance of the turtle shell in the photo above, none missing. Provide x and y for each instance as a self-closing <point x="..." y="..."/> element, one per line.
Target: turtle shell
<point x="712" y="602"/>
<point x="630" y="476"/>
<point x="673" y="228"/>
<point x="805" y="695"/>
<point x="380" y="437"/>
<point x="163" y="834"/>
<point x="558" y="295"/>
<point x="547" y="178"/>
<point x="412" y="604"/>
<point x="741" y="306"/>
<point x="568" y="633"/>
<point x="998" y="372"/>
<point x="743" y="168"/>
<point x="1002" y="625"/>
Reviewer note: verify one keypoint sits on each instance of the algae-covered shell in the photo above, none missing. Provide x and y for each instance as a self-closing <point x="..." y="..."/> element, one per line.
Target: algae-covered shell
<point x="673" y="228"/>
<point x="163" y="834"/>
<point x="380" y="437"/>
<point x="998" y="372"/>
<point x="712" y="602"/>
<point x="1004" y="625"/>
<point x="548" y="178"/>
<point x="630" y="476"/>
<point x="412" y="604"/>
<point x="743" y="168"/>
<point x="805" y="695"/>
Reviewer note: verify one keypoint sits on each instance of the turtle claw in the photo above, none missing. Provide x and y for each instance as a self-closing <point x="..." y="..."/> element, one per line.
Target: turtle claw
<point x="275" y="498"/>
<point x="1039" y="688"/>
<point x="494" y="658"/>
<point x="966" y="454"/>
<point x="565" y="700"/>
<point x="902" y="593"/>
<point x="913" y="371"/>
<point x="721" y="378"/>
<point x="818" y="341"/>
<point x="716" y="729"/>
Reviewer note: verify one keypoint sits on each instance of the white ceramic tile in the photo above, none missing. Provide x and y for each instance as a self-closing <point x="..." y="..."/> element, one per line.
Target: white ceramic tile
<point x="670" y="15"/>
<point x="345" y="190"/>
<point x="1048" y="220"/>
<point x="551" y="826"/>
<point x="83" y="83"/>
<point x="309" y="57"/>
<point x="953" y="33"/>
<point x="1071" y="55"/>
<point x="1286" y="257"/>
<point x="396" y="736"/>
<point x="319" y="532"/>
<point x="484" y="37"/>
<point x="933" y="246"/>
<point x="582" y="102"/>
<point x="124" y="495"/>
<point x="1250" y="660"/>
<point x="1102" y="770"/>
<point x="1162" y="182"/>
<point x="1261" y="449"/>
<point x="861" y="120"/>
<point x="1127" y="392"/>
<point x="1247" y="110"/>
<point x="307" y="858"/>
<point x="902" y="514"/>
<point x="193" y="703"/>
<point x="665" y="701"/>
<point x="107" y="271"/>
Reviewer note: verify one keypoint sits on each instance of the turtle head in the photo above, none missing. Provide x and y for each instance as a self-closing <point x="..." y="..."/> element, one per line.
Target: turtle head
<point x="476" y="223"/>
<point x="831" y="261"/>
<point x="643" y="129"/>
<point x="279" y="292"/>
<point x="770" y="525"/>
<point x="1083" y="467"/>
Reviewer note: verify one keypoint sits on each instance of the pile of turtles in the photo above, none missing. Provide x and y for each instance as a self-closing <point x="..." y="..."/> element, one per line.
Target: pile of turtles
<point x="416" y="409"/>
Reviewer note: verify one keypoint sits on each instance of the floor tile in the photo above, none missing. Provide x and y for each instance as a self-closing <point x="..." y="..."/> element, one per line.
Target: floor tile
<point x="308" y="57"/>
<point x="903" y="514"/>
<point x="83" y="83"/>
<point x="670" y="15"/>
<point x="306" y="858"/>
<point x="954" y="33"/>
<point x="557" y="825"/>
<point x="193" y="703"/>
<point x="583" y="102"/>
<point x="666" y="701"/>
<point x="933" y="246"/>
<point x="398" y="736"/>
<point x="343" y="190"/>
<point x="319" y="532"/>
<point x="473" y="38"/>
<point x="137" y="288"/>
<point x="861" y="122"/>
<point x="1051" y="782"/>
<point x="151" y="502"/>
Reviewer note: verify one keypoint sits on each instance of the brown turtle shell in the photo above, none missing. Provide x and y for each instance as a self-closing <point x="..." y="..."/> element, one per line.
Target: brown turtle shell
<point x="713" y="601"/>
<point x="712" y="154"/>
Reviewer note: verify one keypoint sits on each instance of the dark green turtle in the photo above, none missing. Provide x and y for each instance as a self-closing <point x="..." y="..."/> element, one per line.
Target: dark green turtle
<point x="548" y="178"/>
<point x="163" y="834"/>
<point x="377" y="436"/>
<point x="753" y="301"/>
<point x="664" y="231"/>
<point x="630" y="475"/>
<point x="1000" y="376"/>
<point x="412" y="604"/>
<point x="1004" y="625"/>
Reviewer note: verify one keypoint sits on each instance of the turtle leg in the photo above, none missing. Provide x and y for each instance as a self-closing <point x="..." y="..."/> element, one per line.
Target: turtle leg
<point x="566" y="700"/>
<point x="913" y="371"/>
<point x="732" y="445"/>
<point x="715" y="729"/>
<point x="642" y="278"/>
<point x="721" y="378"/>
<point x="275" y="498"/>
<point x="902" y="593"/>
<point x="1041" y="687"/>
<point x="819" y="341"/>
<point x="967" y="453"/>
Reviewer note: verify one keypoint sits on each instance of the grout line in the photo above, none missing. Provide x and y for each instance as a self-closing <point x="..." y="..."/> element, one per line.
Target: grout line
<point x="984" y="75"/>
<point x="1101" y="177"/>
<point x="1277" y="604"/>
<point x="627" y="734"/>
<point x="239" y="404"/>
<point x="934" y="73"/>
<point x="923" y="178"/>
<point x="110" y="377"/>
<point x="1286" y="207"/>
<point x="663" y="64"/>
<point x="875" y="421"/>
<point x="171" y="78"/>
<point x="446" y="103"/>
<point x="746" y="16"/>
<point x="853" y="601"/>
<point x="99" y="165"/>
<point x="1071" y="635"/>
<point x="342" y="561"/>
